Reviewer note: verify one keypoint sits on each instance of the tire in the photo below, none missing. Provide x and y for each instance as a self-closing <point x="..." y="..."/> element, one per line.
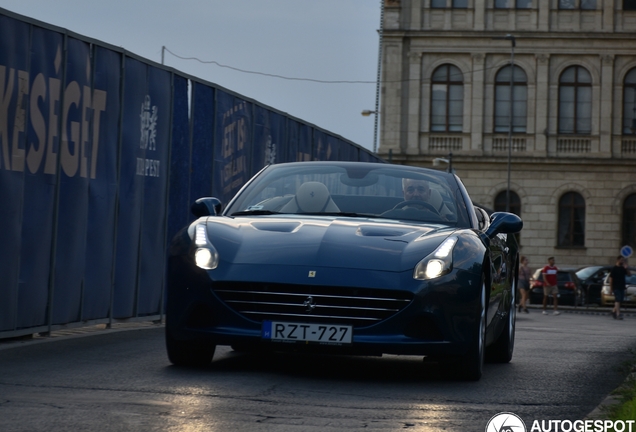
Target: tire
<point x="188" y="353"/>
<point x="470" y="367"/>
<point x="501" y="350"/>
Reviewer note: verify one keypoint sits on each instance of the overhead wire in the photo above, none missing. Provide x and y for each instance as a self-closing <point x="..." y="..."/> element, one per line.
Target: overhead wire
<point x="319" y="81"/>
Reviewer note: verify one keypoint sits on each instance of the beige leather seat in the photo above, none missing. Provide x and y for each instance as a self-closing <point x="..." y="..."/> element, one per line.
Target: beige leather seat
<point x="311" y="197"/>
<point x="435" y="199"/>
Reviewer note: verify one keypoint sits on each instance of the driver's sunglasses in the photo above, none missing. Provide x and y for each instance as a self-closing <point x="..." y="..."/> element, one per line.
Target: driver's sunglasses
<point x="420" y="189"/>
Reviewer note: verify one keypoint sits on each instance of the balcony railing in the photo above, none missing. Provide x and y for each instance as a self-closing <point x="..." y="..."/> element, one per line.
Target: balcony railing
<point x="574" y="145"/>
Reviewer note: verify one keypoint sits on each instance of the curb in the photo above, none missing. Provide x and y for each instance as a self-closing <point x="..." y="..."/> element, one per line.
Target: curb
<point x="76" y="332"/>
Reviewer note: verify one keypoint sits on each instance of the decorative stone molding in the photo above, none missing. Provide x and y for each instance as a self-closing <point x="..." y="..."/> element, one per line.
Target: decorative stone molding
<point x="415" y="56"/>
<point x="479" y="57"/>
<point x="607" y="59"/>
<point x="392" y="3"/>
<point x="543" y="58"/>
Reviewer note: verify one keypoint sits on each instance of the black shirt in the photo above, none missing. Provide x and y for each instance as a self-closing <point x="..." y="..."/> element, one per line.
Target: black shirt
<point x="618" y="274"/>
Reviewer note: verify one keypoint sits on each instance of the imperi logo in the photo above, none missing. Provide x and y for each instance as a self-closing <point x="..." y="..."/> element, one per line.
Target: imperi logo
<point x="148" y="118"/>
<point x="39" y="104"/>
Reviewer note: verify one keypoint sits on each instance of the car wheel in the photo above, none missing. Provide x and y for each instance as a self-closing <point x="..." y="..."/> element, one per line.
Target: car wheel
<point x="501" y="350"/>
<point x="470" y="367"/>
<point x="188" y="353"/>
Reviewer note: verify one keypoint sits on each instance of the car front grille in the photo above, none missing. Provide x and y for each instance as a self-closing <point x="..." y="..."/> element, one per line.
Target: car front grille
<point x="359" y="307"/>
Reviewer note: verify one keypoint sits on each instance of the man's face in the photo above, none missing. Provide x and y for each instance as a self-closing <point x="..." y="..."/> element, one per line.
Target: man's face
<point x="551" y="262"/>
<point x="416" y="190"/>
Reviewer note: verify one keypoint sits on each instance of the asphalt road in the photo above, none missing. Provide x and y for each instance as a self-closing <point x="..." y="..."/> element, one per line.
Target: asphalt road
<point x="563" y="367"/>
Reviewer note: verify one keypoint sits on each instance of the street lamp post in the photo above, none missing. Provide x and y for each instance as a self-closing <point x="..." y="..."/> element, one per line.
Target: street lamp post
<point x="448" y="161"/>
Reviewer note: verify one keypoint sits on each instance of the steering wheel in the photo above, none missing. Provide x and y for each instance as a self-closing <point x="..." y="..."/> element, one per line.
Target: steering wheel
<point x="415" y="203"/>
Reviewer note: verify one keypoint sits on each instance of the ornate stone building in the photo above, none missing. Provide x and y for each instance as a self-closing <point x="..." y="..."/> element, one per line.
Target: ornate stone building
<point x="571" y="155"/>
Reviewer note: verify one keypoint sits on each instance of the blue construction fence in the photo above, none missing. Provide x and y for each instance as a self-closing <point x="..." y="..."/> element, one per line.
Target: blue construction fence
<point x="101" y="154"/>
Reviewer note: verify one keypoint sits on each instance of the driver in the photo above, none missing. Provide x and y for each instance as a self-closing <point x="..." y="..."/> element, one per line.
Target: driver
<point x="415" y="190"/>
<point x="419" y="190"/>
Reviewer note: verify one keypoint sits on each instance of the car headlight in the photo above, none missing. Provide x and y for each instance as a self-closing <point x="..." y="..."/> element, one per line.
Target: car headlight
<point x="437" y="264"/>
<point x="205" y="255"/>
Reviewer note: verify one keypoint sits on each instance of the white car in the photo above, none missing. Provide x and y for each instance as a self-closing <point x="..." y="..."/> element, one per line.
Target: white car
<point x="607" y="298"/>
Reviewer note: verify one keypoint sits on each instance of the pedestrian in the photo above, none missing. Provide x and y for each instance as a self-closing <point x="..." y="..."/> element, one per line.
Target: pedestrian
<point x="524" y="283"/>
<point x="550" y="288"/>
<point x="617" y="285"/>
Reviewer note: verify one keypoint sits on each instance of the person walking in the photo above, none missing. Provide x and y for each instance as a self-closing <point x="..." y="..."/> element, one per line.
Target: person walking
<point x="617" y="285"/>
<point x="524" y="283"/>
<point x="550" y="286"/>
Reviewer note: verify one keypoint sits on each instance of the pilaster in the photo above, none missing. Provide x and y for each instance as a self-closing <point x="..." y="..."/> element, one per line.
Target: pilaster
<point x="477" y="117"/>
<point x="414" y="103"/>
<point x="607" y="84"/>
<point x="542" y="105"/>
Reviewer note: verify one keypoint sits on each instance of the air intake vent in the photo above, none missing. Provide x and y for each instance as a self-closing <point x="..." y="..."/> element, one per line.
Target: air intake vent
<point x="359" y="307"/>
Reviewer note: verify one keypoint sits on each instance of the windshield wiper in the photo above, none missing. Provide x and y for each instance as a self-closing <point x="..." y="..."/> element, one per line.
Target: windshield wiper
<point x="254" y="213"/>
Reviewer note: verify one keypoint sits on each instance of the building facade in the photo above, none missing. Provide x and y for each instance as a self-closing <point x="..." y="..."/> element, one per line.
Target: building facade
<point x="535" y="100"/>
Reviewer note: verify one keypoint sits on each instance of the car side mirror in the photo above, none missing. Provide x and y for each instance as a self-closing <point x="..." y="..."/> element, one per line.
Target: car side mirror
<point x="207" y="206"/>
<point x="504" y="223"/>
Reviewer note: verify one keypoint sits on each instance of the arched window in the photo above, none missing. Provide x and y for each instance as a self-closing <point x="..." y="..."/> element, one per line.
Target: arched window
<point x="519" y="100"/>
<point x="447" y="99"/>
<point x="629" y="5"/>
<point x="629" y="102"/>
<point x="575" y="101"/>
<point x="629" y="221"/>
<point x="571" y="220"/>
<point x="515" y="203"/>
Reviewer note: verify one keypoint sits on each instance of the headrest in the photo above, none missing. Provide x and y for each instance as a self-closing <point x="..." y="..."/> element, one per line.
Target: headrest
<point x="312" y="197"/>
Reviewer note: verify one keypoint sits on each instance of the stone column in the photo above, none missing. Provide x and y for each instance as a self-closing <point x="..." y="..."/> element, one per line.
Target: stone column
<point x="416" y="15"/>
<point x="542" y="104"/>
<point x="414" y="104"/>
<point x="391" y="103"/>
<point x="607" y="91"/>
<point x="608" y="16"/>
<point x="544" y="15"/>
<point x="477" y="102"/>
<point x="479" y="17"/>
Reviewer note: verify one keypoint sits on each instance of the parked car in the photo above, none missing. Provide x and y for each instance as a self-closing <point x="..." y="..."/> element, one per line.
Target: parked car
<point x="607" y="298"/>
<point x="329" y="257"/>
<point x="592" y="278"/>
<point x="569" y="285"/>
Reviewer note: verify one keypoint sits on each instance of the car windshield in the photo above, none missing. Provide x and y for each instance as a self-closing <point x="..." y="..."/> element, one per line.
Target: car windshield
<point x="586" y="272"/>
<point x="355" y="190"/>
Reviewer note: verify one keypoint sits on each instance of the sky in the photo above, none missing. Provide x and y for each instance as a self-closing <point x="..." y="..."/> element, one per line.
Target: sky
<point x="325" y="40"/>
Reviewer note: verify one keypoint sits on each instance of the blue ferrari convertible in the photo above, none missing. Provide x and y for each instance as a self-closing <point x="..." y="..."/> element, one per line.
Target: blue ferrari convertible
<point x="345" y="258"/>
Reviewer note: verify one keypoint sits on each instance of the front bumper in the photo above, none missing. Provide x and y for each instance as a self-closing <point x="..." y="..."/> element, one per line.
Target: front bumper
<point x="440" y="318"/>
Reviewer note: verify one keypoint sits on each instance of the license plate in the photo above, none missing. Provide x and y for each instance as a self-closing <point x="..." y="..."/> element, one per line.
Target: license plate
<point x="301" y="332"/>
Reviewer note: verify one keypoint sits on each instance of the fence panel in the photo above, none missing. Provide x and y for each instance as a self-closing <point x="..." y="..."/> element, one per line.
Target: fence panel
<point x="14" y="38"/>
<point x="202" y="141"/>
<point x="155" y="142"/>
<point x="102" y="194"/>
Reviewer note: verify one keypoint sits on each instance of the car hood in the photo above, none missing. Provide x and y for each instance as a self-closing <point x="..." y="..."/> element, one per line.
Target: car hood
<point x="353" y="243"/>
